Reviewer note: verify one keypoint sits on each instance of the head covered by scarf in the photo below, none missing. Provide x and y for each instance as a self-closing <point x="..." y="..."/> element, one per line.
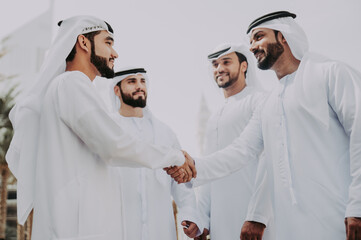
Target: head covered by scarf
<point x="227" y="48"/>
<point x="25" y="116"/>
<point x="120" y="76"/>
<point x="284" y="22"/>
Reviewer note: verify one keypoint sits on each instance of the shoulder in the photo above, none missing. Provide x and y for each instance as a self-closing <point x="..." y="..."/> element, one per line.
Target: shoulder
<point x="161" y="125"/>
<point x="256" y="97"/>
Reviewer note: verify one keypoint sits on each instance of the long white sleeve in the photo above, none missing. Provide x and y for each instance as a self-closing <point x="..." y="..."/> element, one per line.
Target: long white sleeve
<point x="87" y="118"/>
<point x="204" y="204"/>
<point x="345" y="99"/>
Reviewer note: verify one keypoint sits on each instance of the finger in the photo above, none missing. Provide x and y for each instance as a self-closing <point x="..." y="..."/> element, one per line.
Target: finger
<point x="189" y="174"/>
<point x="346" y="227"/>
<point x="179" y="179"/>
<point x="180" y="171"/>
<point x="172" y="170"/>
<point x="192" y="227"/>
<point x="192" y="166"/>
<point x="351" y="233"/>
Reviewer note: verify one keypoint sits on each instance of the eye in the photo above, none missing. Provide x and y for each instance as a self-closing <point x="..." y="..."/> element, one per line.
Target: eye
<point x="143" y="80"/>
<point x="226" y="62"/>
<point x="215" y="65"/>
<point x="259" y="37"/>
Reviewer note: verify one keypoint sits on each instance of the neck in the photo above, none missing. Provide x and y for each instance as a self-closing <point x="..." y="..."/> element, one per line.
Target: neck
<point x="82" y="66"/>
<point x="129" y="111"/>
<point x="235" y="88"/>
<point x="285" y="65"/>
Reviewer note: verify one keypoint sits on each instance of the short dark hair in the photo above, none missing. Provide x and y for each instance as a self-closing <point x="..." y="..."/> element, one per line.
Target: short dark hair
<point x="241" y="59"/>
<point x="90" y="36"/>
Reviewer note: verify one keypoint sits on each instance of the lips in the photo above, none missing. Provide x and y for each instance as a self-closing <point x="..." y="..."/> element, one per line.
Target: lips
<point x="139" y="93"/>
<point x="221" y="76"/>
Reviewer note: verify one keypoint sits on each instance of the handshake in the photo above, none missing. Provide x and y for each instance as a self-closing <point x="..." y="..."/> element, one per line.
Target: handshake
<point x="184" y="173"/>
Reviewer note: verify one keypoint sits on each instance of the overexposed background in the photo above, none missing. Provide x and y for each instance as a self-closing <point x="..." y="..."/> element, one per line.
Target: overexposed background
<point x="171" y="39"/>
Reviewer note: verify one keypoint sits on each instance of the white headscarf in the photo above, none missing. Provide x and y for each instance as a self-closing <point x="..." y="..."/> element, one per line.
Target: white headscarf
<point x="293" y="33"/>
<point x="25" y="116"/>
<point x="251" y="76"/>
<point x="114" y="99"/>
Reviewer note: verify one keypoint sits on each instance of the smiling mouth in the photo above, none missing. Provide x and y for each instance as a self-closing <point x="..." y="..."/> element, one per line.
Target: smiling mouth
<point x="220" y="77"/>
<point x="258" y="55"/>
<point x="138" y="93"/>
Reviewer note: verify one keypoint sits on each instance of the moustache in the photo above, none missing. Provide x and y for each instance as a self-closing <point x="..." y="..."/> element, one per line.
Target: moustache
<point x="138" y="92"/>
<point x="258" y="51"/>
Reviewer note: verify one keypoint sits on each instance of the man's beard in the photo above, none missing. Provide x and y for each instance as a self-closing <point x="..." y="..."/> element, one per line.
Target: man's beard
<point x="231" y="80"/>
<point x="274" y="52"/>
<point x="101" y="64"/>
<point x="129" y="100"/>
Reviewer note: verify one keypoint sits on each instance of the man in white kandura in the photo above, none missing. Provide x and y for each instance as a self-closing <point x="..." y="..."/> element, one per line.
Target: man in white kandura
<point x="224" y="202"/>
<point x="310" y="127"/>
<point x="146" y="193"/>
<point x="64" y="140"/>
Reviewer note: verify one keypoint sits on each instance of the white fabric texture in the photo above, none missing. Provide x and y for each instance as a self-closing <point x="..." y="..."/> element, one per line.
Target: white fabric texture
<point x="22" y="153"/>
<point x="224" y="202"/>
<point x="75" y="194"/>
<point x="314" y="169"/>
<point x="147" y="194"/>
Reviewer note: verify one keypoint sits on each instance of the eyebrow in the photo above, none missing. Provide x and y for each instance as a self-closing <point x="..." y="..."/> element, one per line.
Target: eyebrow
<point x="226" y="58"/>
<point x="260" y="31"/>
<point x="255" y="34"/>
<point x="109" y="38"/>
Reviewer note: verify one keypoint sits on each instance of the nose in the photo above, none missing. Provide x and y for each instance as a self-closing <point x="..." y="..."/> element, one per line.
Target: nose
<point x="253" y="47"/>
<point x="114" y="54"/>
<point x="220" y="68"/>
<point x="139" y="85"/>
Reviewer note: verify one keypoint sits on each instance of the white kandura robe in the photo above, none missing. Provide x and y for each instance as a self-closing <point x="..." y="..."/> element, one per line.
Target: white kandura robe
<point x="75" y="195"/>
<point x="224" y="202"/>
<point x="146" y="193"/>
<point x="310" y="127"/>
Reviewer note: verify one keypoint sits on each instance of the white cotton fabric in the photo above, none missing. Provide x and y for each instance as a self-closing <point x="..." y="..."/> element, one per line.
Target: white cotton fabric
<point x="75" y="194"/>
<point x="147" y="194"/>
<point x="306" y="161"/>
<point x="21" y="156"/>
<point x="224" y="202"/>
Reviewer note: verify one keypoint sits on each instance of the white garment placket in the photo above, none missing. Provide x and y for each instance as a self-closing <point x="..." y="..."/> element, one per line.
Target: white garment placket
<point x="284" y="157"/>
<point x="142" y="189"/>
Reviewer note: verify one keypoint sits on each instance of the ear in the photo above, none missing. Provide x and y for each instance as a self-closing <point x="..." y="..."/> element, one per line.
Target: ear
<point x="281" y="38"/>
<point x="244" y="66"/>
<point x="84" y="43"/>
<point x="117" y="91"/>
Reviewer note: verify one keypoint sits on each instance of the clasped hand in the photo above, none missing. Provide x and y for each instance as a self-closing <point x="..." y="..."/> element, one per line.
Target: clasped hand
<point x="184" y="173"/>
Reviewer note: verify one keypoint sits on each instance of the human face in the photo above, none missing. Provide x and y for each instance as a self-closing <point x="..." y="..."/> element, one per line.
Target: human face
<point x="226" y="70"/>
<point x="103" y="55"/>
<point x="133" y="91"/>
<point x="265" y="47"/>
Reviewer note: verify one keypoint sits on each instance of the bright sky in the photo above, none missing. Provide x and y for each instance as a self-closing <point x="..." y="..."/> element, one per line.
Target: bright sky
<point x="171" y="39"/>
